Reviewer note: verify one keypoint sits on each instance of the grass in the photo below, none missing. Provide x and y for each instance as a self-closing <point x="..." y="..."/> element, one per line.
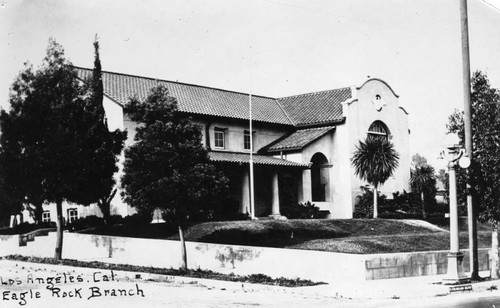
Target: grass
<point x="205" y="274"/>
<point x="359" y="236"/>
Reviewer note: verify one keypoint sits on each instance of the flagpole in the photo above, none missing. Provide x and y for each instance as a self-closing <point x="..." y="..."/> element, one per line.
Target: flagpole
<point x="252" y="203"/>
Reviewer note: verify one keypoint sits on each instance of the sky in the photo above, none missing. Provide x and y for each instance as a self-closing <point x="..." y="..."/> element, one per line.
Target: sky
<point x="274" y="48"/>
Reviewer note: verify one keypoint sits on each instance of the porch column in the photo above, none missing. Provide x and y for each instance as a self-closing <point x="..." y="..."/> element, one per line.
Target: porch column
<point x="275" y="209"/>
<point x="305" y="191"/>
<point x="245" y="192"/>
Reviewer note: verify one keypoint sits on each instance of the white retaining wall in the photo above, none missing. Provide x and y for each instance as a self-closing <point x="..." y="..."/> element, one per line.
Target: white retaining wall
<point x="242" y="260"/>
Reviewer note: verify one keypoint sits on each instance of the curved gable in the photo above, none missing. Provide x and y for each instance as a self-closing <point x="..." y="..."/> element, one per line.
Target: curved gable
<point x="379" y="80"/>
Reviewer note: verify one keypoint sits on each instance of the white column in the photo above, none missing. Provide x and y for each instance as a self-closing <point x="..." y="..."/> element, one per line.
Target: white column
<point x="305" y="193"/>
<point x="454" y="242"/>
<point x="455" y="273"/>
<point x="275" y="210"/>
<point x="245" y="192"/>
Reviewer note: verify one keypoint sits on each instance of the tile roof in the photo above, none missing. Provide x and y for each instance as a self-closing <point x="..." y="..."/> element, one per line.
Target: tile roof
<point x="299" y="139"/>
<point x="300" y="110"/>
<point x="192" y="98"/>
<point x="315" y="108"/>
<point x="244" y="158"/>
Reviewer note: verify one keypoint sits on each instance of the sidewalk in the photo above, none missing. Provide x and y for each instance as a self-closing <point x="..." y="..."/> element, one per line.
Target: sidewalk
<point x="399" y="288"/>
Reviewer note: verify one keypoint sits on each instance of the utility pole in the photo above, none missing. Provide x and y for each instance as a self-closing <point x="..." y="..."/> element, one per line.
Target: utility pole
<point x="471" y="213"/>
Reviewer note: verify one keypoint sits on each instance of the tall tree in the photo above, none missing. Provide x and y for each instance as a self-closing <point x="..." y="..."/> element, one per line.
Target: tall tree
<point x="485" y="168"/>
<point x="55" y="131"/>
<point x="374" y="161"/>
<point x="423" y="181"/>
<point x="11" y="197"/>
<point x="101" y="145"/>
<point x="19" y="161"/>
<point x="167" y="167"/>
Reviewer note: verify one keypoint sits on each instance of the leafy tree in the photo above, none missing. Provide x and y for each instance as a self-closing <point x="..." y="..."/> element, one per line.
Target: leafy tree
<point x="21" y="177"/>
<point x="53" y="129"/>
<point x="374" y="161"/>
<point x="418" y="160"/>
<point x="485" y="168"/>
<point x="167" y="167"/>
<point x="423" y="181"/>
<point x="11" y="200"/>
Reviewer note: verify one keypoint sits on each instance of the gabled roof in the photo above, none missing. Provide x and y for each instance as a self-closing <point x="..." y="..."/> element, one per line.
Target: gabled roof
<point x="319" y="108"/>
<point x="192" y="98"/>
<point x="299" y="139"/>
<point x="316" y="108"/>
<point x="244" y="158"/>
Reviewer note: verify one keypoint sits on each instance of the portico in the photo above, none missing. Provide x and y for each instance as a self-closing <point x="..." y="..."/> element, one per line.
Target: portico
<point x="275" y="181"/>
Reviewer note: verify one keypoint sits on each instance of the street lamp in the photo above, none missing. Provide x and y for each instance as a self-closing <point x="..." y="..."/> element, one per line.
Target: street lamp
<point x="453" y="153"/>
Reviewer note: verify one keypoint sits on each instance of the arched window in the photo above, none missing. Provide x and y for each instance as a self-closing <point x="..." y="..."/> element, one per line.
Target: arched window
<point x="319" y="177"/>
<point x="378" y="130"/>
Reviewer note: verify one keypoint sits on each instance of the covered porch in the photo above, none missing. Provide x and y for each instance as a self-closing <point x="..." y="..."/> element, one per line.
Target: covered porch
<point x="277" y="182"/>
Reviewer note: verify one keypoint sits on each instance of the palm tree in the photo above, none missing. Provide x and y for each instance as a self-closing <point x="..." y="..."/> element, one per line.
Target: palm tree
<point x="421" y="180"/>
<point x="374" y="161"/>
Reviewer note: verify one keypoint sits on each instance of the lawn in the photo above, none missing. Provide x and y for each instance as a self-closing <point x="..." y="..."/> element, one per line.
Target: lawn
<point x="361" y="236"/>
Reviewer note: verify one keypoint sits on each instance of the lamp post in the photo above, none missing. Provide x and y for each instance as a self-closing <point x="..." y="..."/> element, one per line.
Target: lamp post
<point x="453" y="153"/>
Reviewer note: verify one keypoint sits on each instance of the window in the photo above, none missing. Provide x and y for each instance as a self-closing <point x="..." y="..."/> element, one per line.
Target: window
<point x="246" y="140"/>
<point x="46" y="216"/>
<point x="219" y="135"/>
<point x="72" y="215"/>
<point x="378" y="130"/>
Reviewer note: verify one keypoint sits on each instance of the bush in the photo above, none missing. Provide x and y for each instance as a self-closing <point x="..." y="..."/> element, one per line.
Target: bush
<point x="406" y="205"/>
<point x="90" y="221"/>
<point x="305" y="210"/>
<point x="403" y="202"/>
<point x="137" y="219"/>
<point x="364" y="203"/>
<point x="115" y="220"/>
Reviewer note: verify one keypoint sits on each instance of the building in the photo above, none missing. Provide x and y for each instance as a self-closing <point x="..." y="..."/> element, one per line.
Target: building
<point x="302" y="144"/>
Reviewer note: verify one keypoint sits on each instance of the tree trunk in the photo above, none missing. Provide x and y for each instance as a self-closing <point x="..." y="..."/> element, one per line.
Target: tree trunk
<point x="38" y="213"/>
<point x="105" y="210"/>
<point x="60" y="226"/>
<point x="105" y="205"/>
<point x="495" y="263"/>
<point x="183" y="249"/>
<point x="375" y="202"/>
<point x="424" y="214"/>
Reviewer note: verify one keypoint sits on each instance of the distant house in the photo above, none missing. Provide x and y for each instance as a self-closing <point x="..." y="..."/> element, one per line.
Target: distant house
<point x="302" y="144"/>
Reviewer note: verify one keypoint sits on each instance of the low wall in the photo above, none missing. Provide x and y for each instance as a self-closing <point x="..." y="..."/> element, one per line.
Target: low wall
<point x="242" y="260"/>
<point x="398" y="265"/>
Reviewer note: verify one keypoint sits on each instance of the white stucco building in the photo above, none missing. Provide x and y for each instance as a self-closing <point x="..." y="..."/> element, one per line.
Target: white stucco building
<point x="302" y="144"/>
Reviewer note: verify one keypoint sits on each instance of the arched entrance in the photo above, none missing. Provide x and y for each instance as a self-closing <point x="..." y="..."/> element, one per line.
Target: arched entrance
<point x="320" y="178"/>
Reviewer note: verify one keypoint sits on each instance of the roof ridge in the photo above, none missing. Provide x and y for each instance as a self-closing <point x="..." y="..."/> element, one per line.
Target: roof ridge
<point x="177" y="82"/>
<point x="313" y="93"/>
<point x="319" y="127"/>
<point x="284" y="111"/>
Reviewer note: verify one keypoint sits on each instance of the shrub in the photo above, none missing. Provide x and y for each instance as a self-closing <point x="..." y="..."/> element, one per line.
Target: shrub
<point x="305" y="210"/>
<point x="407" y="202"/>
<point x="137" y="219"/>
<point x="115" y="220"/>
<point x="364" y="203"/>
<point x="90" y="221"/>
